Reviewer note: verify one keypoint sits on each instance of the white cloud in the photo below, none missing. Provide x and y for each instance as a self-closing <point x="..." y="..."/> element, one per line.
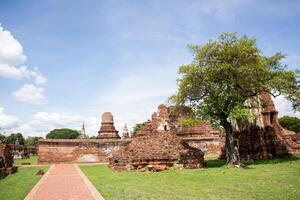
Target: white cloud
<point x="30" y="94"/>
<point x="7" y="121"/>
<point x="42" y="123"/>
<point x="12" y="60"/>
<point x="284" y="107"/>
<point x="11" y="51"/>
<point x="38" y="76"/>
<point x="12" y="72"/>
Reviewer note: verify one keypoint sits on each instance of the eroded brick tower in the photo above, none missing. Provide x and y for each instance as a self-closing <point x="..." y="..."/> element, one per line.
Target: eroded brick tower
<point x="107" y="130"/>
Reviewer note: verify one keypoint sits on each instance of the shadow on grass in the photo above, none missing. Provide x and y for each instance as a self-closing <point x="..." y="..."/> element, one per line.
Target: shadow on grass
<point x="271" y="161"/>
<point x="215" y="162"/>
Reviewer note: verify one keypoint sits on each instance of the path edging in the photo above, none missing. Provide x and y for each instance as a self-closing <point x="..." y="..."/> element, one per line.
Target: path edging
<point x="36" y="187"/>
<point x="95" y="193"/>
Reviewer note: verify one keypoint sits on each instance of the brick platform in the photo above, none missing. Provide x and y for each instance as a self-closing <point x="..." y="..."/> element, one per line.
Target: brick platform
<point x="64" y="182"/>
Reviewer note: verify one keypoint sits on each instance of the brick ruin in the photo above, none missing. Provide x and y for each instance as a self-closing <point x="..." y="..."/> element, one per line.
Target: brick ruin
<point x="77" y="150"/>
<point x="108" y="130"/>
<point x="263" y="137"/>
<point x="201" y="135"/>
<point x="164" y="142"/>
<point x="155" y="152"/>
<point x="6" y="160"/>
<point x="83" y="150"/>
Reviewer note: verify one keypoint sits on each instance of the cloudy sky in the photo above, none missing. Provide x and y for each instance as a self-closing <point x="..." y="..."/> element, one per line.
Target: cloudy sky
<point x="62" y="62"/>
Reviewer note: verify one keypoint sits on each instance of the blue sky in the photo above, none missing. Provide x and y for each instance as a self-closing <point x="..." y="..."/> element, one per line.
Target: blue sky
<point x="87" y="57"/>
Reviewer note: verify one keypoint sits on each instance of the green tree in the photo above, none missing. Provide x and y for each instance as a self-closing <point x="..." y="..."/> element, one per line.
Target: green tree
<point x="15" y="138"/>
<point x="290" y="123"/>
<point x="2" y="137"/>
<point x="63" y="133"/>
<point x="224" y="74"/>
<point x="32" y="141"/>
<point x="138" y="126"/>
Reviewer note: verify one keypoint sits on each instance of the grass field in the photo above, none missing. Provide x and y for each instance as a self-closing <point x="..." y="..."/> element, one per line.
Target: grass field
<point x="32" y="160"/>
<point x="270" y="179"/>
<point x="17" y="185"/>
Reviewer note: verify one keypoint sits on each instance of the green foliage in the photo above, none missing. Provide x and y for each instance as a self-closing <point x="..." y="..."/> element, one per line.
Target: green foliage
<point x="290" y="123"/>
<point x="63" y="133"/>
<point x="93" y="137"/>
<point x="2" y="137"/>
<point x="139" y="126"/>
<point x="240" y="113"/>
<point x="32" y="141"/>
<point x="189" y="121"/>
<point x="14" y="137"/>
<point x="226" y="72"/>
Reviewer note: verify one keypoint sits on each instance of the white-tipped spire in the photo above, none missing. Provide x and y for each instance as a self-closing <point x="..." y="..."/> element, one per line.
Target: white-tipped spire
<point x="125" y="131"/>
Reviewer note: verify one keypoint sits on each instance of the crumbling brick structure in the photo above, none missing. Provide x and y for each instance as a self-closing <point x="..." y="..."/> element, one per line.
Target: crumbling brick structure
<point x="202" y="135"/>
<point x="6" y="160"/>
<point x="156" y="151"/>
<point x="263" y="137"/>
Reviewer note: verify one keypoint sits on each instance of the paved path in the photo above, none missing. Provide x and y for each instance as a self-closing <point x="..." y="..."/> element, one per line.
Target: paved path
<point x="64" y="182"/>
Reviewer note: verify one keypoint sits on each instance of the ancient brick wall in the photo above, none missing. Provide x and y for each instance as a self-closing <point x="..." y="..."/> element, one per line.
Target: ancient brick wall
<point x="77" y="150"/>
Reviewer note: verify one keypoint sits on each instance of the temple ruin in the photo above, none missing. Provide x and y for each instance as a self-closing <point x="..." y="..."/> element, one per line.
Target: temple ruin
<point x="263" y="137"/>
<point x="165" y="142"/>
<point x="6" y="160"/>
<point x="83" y="150"/>
<point x="107" y="130"/>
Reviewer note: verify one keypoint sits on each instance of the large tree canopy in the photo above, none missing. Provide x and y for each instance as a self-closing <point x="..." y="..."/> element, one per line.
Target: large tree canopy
<point x="224" y="74"/>
<point x="63" y="133"/>
<point x="15" y="138"/>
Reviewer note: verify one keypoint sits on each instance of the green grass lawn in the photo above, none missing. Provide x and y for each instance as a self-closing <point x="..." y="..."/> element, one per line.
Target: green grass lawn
<point x="19" y="184"/>
<point x="32" y="160"/>
<point x="266" y="179"/>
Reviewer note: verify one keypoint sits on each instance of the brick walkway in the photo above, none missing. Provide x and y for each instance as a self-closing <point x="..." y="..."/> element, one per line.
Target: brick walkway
<point x="64" y="182"/>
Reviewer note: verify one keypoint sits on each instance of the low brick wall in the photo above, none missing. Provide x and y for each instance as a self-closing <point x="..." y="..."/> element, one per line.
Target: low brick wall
<point x="77" y="150"/>
<point x="210" y="145"/>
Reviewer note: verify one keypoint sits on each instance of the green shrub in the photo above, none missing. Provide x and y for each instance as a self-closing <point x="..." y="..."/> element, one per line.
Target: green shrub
<point x="290" y="123"/>
<point x="190" y="121"/>
<point x="63" y="133"/>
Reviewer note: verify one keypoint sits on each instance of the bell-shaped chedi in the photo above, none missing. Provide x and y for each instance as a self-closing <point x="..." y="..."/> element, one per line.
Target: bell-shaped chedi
<point x="107" y="130"/>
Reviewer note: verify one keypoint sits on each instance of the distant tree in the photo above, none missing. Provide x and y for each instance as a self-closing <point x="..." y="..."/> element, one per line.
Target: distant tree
<point x="63" y="133"/>
<point x="32" y="141"/>
<point x="93" y="137"/>
<point x="290" y="123"/>
<point x="138" y="126"/>
<point x="15" y="138"/>
<point x="224" y="74"/>
<point x="2" y="137"/>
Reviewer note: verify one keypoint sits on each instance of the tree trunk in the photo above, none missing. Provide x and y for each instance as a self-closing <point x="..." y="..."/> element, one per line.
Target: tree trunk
<point x="231" y="146"/>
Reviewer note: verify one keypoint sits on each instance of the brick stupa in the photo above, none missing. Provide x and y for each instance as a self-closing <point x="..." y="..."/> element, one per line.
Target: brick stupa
<point x="107" y="130"/>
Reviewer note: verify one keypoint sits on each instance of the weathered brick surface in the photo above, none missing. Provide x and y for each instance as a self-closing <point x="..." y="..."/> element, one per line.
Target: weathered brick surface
<point x="156" y="151"/>
<point x="107" y="129"/>
<point x="263" y="137"/>
<point x="77" y="150"/>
